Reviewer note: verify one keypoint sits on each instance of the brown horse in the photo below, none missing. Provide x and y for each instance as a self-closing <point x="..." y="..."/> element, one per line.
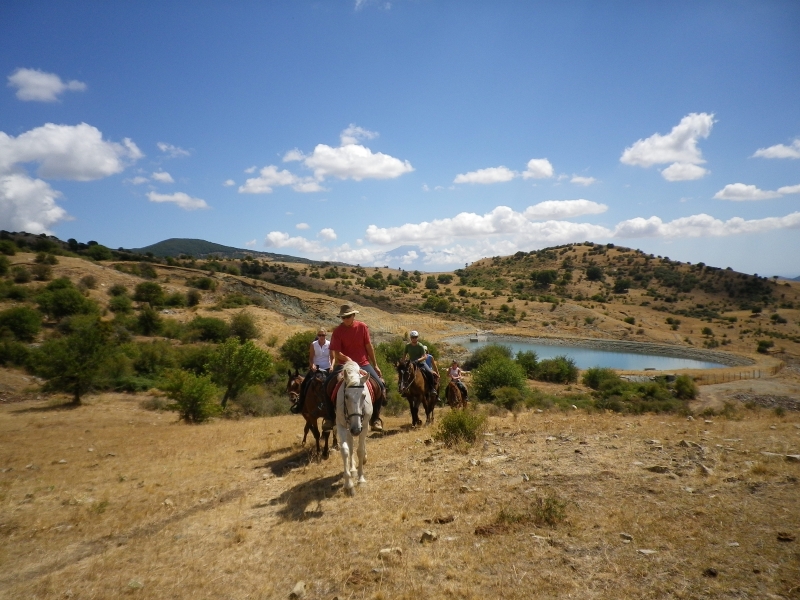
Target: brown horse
<point x="412" y="386"/>
<point x="309" y="408"/>
<point x="455" y="398"/>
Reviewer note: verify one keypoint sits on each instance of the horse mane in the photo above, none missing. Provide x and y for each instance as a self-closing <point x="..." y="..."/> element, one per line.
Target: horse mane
<point x="351" y="373"/>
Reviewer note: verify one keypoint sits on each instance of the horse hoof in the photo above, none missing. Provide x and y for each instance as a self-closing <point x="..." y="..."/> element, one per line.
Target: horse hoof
<point x="361" y="480"/>
<point x="350" y="491"/>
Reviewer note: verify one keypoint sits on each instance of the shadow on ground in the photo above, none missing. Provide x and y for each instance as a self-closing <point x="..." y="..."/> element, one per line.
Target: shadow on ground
<point x="296" y="500"/>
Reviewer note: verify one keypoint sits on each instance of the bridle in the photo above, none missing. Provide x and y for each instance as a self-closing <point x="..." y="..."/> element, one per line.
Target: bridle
<point x="347" y="414"/>
<point x="408" y="374"/>
<point x="293" y="395"/>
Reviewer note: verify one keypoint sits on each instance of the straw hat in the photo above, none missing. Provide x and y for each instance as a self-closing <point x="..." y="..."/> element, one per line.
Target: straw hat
<point x="346" y="310"/>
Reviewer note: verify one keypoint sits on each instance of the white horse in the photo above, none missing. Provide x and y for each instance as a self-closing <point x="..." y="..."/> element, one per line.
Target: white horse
<point x="353" y="412"/>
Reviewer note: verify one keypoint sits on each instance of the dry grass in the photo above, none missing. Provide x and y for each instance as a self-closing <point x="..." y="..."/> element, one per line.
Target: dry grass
<point x="148" y="507"/>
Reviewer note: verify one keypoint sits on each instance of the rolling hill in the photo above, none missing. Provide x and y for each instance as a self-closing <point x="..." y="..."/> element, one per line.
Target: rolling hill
<point x="174" y="247"/>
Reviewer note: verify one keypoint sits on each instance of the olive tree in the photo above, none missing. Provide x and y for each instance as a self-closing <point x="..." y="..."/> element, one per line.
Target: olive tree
<point x="235" y="366"/>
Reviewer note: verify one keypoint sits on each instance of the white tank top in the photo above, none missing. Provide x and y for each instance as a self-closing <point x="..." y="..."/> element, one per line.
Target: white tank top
<point x="322" y="354"/>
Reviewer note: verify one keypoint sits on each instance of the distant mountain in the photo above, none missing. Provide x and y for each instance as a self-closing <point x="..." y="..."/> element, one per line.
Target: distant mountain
<point x="174" y="247"/>
<point x="796" y="278"/>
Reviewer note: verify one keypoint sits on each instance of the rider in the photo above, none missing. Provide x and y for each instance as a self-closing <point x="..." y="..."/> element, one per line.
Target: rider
<point x="454" y="372"/>
<point x="319" y="359"/>
<point x="350" y="341"/>
<point x="418" y="353"/>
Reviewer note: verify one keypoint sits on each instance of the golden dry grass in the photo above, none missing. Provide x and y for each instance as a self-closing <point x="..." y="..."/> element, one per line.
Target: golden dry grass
<point x="152" y="508"/>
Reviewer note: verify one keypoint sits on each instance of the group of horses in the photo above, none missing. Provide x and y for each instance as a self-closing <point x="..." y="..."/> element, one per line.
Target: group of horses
<point x="354" y="403"/>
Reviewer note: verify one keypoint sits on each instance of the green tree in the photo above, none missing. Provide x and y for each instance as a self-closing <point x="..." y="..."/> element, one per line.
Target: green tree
<point x="685" y="388"/>
<point x="243" y="326"/>
<point x="22" y="322"/>
<point x="208" y="329"/>
<point x="149" y="321"/>
<point x="430" y="283"/>
<point x="560" y="369"/>
<point x="296" y="349"/>
<point x="485" y="354"/>
<point x="235" y="366"/>
<point x="594" y="273"/>
<point x="73" y="363"/>
<point x="528" y="360"/>
<point x="194" y="394"/>
<point x="99" y="252"/>
<point x="150" y="292"/>
<point x="64" y="301"/>
<point x="621" y="286"/>
<point x="497" y="373"/>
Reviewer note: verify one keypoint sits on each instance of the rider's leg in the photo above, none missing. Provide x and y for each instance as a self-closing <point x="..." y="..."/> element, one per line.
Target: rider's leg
<point x="375" y="421"/>
<point x="430" y="377"/>
<point x="329" y="407"/>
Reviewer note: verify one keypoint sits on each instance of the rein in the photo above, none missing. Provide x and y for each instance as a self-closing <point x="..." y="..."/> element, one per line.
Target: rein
<point x="347" y="414"/>
<point x="411" y="374"/>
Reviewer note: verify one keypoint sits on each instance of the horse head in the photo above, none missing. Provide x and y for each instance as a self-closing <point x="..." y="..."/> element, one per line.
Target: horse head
<point x="406" y="370"/>
<point x="293" y="385"/>
<point x="355" y="397"/>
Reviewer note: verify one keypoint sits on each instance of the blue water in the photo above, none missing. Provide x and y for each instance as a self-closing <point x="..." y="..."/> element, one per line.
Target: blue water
<point x="586" y="358"/>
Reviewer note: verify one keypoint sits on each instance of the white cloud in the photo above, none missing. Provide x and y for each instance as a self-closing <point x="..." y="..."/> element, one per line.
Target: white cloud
<point x="251" y="244"/>
<point x="538" y="168"/>
<point x="563" y="209"/>
<point x="579" y="180"/>
<point x="780" y="151"/>
<point x="683" y="172"/>
<point x="354" y="134"/>
<point x="356" y="162"/>
<point x="409" y="257"/>
<point x="293" y="155"/>
<point x="38" y="86"/>
<point x="229" y="183"/>
<point x="739" y="192"/>
<point x="252" y="169"/>
<point x="28" y="204"/>
<point x="425" y="187"/>
<point x="163" y="177"/>
<point x="485" y="176"/>
<point x="183" y="200"/>
<point x="789" y="189"/>
<point x="67" y="152"/>
<point x="269" y="177"/>
<point x="327" y="234"/>
<point x="173" y="151"/>
<point x="308" y="185"/>
<point x="301" y="226"/>
<point x="702" y="226"/>
<point x="279" y="239"/>
<point x="502" y="220"/>
<point x="138" y="180"/>
<point x="679" y="147"/>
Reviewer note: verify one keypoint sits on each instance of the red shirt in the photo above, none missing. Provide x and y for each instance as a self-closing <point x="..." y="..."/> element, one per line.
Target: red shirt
<point x="352" y="341"/>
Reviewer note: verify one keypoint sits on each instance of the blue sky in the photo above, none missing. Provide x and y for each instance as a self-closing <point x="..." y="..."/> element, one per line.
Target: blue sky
<point x="453" y="130"/>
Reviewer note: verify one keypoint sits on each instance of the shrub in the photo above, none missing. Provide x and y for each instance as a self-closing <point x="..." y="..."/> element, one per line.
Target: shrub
<point x="202" y="283"/>
<point x="64" y="301"/>
<point x="460" y="427"/>
<point x="685" y="388"/>
<point x="195" y="358"/>
<point x="508" y="398"/>
<point x="120" y="304"/>
<point x="430" y="283"/>
<point x="235" y="366"/>
<point x="149" y="322"/>
<point x="13" y="353"/>
<point x="630" y="320"/>
<point x="208" y="329"/>
<point x="528" y="361"/>
<point x="297" y="347"/>
<point x="194" y="395"/>
<point x="485" y="354"/>
<point x="98" y="252"/>
<point x="621" y="286"/>
<point x="594" y="273"/>
<point x="42" y="272"/>
<point x="5" y="266"/>
<point x="764" y="346"/>
<point x="176" y="300"/>
<point x="243" y="326"/>
<point x="596" y="377"/>
<point x="391" y="351"/>
<point x="150" y="292"/>
<point x="193" y="298"/>
<point x="497" y="373"/>
<point x="21" y="274"/>
<point x="22" y="322"/>
<point x="8" y="248"/>
<point x="118" y="290"/>
<point x="89" y="281"/>
<point x="560" y="369"/>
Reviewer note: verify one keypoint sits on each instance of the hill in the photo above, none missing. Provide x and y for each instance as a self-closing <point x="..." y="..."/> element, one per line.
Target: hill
<point x="175" y="247"/>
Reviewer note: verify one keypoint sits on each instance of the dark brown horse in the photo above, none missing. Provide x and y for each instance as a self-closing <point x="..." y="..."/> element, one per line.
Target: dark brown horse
<point x="309" y="408"/>
<point x="455" y="398"/>
<point x="412" y="386"/>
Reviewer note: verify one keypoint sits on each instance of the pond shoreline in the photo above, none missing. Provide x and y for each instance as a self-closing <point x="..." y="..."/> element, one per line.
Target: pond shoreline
<point x="651" y="348"/>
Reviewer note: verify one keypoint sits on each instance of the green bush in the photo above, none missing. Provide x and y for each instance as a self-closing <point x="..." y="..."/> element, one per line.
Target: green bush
<point x="193" y="298"/>
<point x="509" y="398"/>
<point x="528" y="360"/>
<point x="497" y="373"/>
<point x="296" y="349"/>
<point x="243" y="326"/>
<point x="149" y="322"/>
<point x="152" y="358"/>
<point x="560" y="369"/>
<point x="120" y="304"/>
<point x="460" y="427"/>
<point x="5" y="266"/>
<point x="208" y="329"/>
<point x="235" y="366"/>
<point x="686" y="388"/>
<point x="391" y="351"/>
<point x="22" y="322"/>
<point x="8" y="248"/>
<point x="21" y="274"/>
<point x="194" y="395"/>
<point x="594" y="273"/>
<point x="64" y="301"/>
<point x="118" y="290"/>
<point x="764" y="346"/>
<point x="13" y="353"/>
<point x="202" y="283"/>
<point x="149" y="292"/>
<point x="485" y="354"/>
<point x="98" y="252"/>
<point x="597" y="376"/>
<point x="194" y="358"/>
<point x="89" y="282"/>
<point x="176" y="300"/>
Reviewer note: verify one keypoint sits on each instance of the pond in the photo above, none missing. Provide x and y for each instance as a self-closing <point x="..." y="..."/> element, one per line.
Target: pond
<point x="624" y="356"/>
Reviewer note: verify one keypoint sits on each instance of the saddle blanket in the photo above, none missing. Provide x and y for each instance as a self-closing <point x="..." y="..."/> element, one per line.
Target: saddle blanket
<point x="373" y="390"/>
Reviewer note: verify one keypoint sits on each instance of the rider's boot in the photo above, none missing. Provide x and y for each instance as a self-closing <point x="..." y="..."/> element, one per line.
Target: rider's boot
<point x="330" y="417"/>
<point x="375" y="422"/>
<point x="295" y="408"/>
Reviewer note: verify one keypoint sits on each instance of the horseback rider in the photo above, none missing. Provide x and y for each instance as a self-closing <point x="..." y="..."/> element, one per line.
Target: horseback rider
<point x="351" y="341"/>
<point x="319" y="360"/>
<point x="454" y="373"/>
<point x="418" y="354"/>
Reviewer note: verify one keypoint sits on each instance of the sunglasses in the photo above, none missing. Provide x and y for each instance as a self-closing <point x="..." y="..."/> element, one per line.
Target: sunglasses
<point x="348" y="317"/>
<point x="321" y="334"/>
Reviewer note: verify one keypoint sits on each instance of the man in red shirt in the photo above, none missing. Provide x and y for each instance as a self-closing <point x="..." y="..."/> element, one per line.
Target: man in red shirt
<point x="350" y="341"/>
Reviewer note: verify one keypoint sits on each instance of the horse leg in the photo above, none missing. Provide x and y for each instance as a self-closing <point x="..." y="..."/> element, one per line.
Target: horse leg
<point x="362" y="456"/>
<point x="315" y="431"/>
<point x="344" y="448"/>
<point x="305" y="434"/>
<point x="326" y="435"/>
<point x="414" y="406"/>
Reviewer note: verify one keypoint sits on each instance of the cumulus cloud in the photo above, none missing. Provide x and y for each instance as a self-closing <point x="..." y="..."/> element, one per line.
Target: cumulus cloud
<point x="229" y="183"/>
<point x="538" y="168"/>
<point x="280" y="239"/>
<point x="702" y="225"/>
<point x="163" y="177"/>
<point x="409" y="257"/>
<point x="327" y="234"/>
<point x="28" y="204"/>
<point x="485" y="176"/>
<point x="270" y="177"/>
<point x="138" y="180"/>
<point x="579" y="180"/>
<point x="353" y="161"/>
<point x="789" y="189"/>
<point x="354" y="134"/>
<point x="293" y="155"/>
<point x="184" y="201"/>
<point x="678" y="147"/>
<point x="38" y="86"/>
<point x="172" y="151"/>
<point x="251" y="244"/>
<point x="302" y="226"/>
<point x="563" y="209"/>
<point x="739" y="192"/>
<point x="76" y="152"/>
<point x="780" y="151"/>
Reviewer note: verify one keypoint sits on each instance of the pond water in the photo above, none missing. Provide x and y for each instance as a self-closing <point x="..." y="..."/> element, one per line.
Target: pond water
<point x="586" y="358"/>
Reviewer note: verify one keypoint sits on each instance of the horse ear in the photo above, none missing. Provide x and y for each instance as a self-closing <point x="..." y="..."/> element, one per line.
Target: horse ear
<point x="296" y="373"/>
<point x="364" y="378"/>
<point x="289" y="373"/>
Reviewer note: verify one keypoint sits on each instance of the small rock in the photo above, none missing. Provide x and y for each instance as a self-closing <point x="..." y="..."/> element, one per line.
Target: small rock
<point x="689" y="490"/>
<point x="708" y="422"/>
<point x="710" y="572"/>
<point x="169" y="502"/>
<point x="690" y="418"/>
<point x="647" y="552"/>
<point x="135" y="584"/>
<point x="539" y="410"/>
<point x="706" y="470"/>
<point x="428" y="536"/>
<point x="652" y="442"/>
<point x="765" y="453"/>
<point x="525" y="477"/>
<point x="784" y="536"/>
<point x="626" y="536"/>
<point x="733" y="544"/>
<point x="550" y="438"/>
<point x="772" y="427"/>
<point x="390" y="554"/>
<point x="658" y="469"/>
<point x="473" y="462"/>
<point x="464" y="489"/>
<point x="298" y="591"/>
<point x="62" y="462"/>
<point x="429" y="441"/>
<point x="90" y="449"/>
<point x="574" y="407"/>
<point x="793" y="457"/>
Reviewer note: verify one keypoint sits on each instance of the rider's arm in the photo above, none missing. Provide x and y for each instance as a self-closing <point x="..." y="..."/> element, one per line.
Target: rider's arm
<point x="371" y="355"/>
<point x="340" y="357"/>
<point x="311" y="356"/>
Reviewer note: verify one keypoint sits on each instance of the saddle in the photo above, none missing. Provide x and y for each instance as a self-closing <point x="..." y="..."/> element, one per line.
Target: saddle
<point x="374" y="389"/>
